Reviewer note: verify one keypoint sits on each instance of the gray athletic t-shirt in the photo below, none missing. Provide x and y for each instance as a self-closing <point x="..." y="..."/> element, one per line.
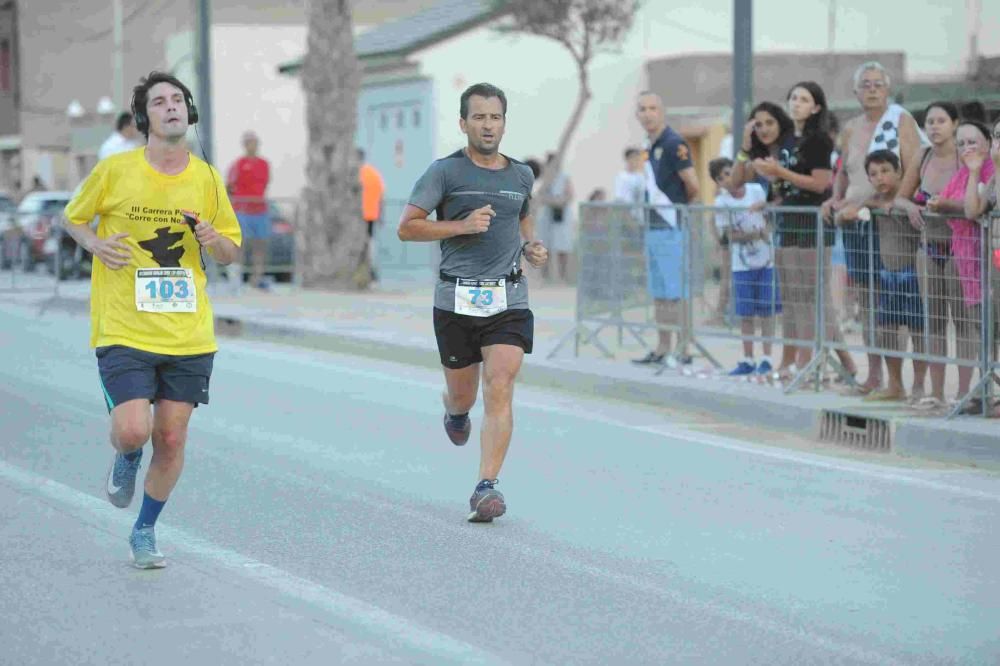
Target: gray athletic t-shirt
<point x="454" y="186"/>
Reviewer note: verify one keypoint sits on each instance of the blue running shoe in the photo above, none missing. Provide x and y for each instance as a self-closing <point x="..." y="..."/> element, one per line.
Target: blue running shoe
<point x="743" y="369"/>
<point x="764" y="368"/>
<point x="486" y="503"/>
<point x="144" y="552"/>
<point x="121" y="480"/>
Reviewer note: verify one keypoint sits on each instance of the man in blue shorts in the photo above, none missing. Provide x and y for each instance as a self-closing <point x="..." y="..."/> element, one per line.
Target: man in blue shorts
<point x="159" y="208"/>
<point x="671" y="181"/>
<point x="481" y="317"/>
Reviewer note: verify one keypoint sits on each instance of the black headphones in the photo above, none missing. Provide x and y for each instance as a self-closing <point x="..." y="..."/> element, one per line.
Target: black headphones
<point x="140" y="97"/>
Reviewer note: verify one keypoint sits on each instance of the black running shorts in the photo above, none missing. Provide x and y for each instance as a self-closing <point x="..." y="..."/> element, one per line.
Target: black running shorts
<point x="461" y="338"/>
<point x="131" y="374"/>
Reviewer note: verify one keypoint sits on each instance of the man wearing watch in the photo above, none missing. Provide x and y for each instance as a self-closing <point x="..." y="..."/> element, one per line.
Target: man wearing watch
<point x="481" y="317"/>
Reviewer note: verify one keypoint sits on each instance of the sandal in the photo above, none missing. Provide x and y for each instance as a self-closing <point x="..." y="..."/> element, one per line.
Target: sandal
<point x="885" y="395"/>
<point x="930" y="404"/>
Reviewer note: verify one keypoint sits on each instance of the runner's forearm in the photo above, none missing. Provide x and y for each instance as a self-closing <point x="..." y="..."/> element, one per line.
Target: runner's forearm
<point x="528" y="229"/>
<point x="224" y="251"/>
<point x="424" y="230"/>
<point x="82" y="234"/>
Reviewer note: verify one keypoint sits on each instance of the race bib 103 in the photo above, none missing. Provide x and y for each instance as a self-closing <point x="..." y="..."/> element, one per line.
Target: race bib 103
<point x="165" y="290"/>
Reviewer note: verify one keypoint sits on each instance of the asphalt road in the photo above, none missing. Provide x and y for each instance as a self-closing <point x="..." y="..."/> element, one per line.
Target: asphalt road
<point x="320" y="519"/>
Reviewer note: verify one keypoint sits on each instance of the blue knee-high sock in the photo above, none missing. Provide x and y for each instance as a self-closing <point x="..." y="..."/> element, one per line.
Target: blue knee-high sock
<point x="149" y="512"/>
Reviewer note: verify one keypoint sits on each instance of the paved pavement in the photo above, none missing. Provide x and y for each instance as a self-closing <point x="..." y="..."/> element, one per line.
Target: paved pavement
<point x="320" y="519"/>
<point x="393" y="322"/>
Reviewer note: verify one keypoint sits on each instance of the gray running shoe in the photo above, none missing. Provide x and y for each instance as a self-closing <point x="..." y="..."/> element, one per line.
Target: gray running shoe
<point x="486" y="503"/>
<point x="144" y="552"/>
<point x="457" y="428"/>
<point x="121" y="480"/>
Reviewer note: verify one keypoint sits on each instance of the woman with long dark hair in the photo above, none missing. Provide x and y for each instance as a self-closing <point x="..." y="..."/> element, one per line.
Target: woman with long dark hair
<point x="768" y="129"/>
<point x="924" y="179"/>
<point x="801" y="175"/>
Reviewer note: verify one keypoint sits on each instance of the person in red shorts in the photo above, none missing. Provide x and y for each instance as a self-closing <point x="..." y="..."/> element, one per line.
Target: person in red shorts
<point x="247" y="181"/>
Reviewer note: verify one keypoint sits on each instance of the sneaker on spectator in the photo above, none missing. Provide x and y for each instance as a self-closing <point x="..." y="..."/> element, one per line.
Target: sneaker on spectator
<point x="652" y="358"/>
<point x="675" y="361"/>
<point x="743" y="369"/>
<point x="764" y="368"/>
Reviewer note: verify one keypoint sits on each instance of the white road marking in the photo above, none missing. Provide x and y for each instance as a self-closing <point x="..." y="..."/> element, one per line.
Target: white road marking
<point x="380" y="623"/>
<point x="351" y="611"/>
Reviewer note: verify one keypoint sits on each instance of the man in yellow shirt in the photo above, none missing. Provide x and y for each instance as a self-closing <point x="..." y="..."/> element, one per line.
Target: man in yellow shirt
<point x="159" y="208"/>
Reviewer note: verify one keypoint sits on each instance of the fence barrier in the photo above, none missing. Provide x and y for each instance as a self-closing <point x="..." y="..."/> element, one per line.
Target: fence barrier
<point x="926" y="288"/>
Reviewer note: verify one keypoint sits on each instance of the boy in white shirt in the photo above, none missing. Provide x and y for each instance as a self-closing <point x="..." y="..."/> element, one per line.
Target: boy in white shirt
<point x="755" y="290"/>
<point x="630" y="184"/>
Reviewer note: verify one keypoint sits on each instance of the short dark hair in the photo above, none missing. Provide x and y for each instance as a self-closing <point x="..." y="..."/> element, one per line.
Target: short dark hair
<point x="716" y="166"/>
<point x="486" y="90"/>
<point x="534" y="165"/>
<point x="882" y="157"/>
<point x="629" y="152"/>
<point x="140" y="96"/>
<point x="947" y="107"/>
<point x="124" y="120"/>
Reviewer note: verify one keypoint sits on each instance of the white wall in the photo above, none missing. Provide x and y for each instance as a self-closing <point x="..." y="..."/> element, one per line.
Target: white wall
<point x="250" y="94"/>
<point x="539" y="76"/>
<point x="540" y="81"/>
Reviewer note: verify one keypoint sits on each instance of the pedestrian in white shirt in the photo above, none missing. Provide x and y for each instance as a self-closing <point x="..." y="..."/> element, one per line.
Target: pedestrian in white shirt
<point x="125" y="137"/>
<point x="630" y="184"/>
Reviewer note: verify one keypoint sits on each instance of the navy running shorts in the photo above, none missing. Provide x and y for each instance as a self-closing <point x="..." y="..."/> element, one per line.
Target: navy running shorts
<point x="133" y="374"/>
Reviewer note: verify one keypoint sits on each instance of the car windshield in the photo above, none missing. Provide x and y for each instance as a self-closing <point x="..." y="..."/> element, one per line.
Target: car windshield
<point x="53" y="206"/>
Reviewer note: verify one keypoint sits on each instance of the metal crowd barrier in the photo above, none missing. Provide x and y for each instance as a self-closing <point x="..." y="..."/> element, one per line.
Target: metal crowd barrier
<point x="280" y="263"/>
<point x="910" y="283"/>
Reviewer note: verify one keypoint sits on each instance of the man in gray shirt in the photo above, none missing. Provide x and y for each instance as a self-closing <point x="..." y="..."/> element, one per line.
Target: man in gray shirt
<point x="481" y="315"/>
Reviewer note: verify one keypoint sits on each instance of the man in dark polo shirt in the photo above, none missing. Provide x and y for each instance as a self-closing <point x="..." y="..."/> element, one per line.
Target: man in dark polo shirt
<point x="481" y="316"/>
<point x="670" y="180"/>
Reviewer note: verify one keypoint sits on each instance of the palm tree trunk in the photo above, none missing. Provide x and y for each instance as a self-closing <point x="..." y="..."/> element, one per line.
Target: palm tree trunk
<point x="330" y="236"/>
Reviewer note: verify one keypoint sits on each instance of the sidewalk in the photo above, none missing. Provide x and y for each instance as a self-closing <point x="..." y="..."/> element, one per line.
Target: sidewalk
<point x="393" y="322"/>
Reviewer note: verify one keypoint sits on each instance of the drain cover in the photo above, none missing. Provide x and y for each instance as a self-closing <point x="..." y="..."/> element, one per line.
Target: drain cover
<point x="856" y="431"/>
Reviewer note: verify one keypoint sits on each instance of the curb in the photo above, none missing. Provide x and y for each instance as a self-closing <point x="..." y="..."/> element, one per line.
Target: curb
<point x="959" y="442"/>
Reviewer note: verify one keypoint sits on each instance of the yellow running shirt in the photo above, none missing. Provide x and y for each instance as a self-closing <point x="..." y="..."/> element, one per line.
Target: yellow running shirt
<point x="130" y="306"/>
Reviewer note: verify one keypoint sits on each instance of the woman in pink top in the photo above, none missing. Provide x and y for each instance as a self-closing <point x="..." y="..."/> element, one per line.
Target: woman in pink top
<point x="973" y="142"/>
<point x="979" y="202"/>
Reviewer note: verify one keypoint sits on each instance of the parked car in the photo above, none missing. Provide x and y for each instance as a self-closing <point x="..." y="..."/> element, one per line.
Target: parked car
<point x="280" y="249"/>
<point x="38" y="229"/>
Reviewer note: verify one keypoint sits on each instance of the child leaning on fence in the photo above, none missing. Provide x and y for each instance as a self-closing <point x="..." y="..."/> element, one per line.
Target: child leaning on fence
<point x="898" y="297"/>
<point x="755" y="290"/>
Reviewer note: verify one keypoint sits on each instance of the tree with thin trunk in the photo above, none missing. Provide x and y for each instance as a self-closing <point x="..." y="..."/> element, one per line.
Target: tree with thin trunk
<point x="585" y="28"/>
<point x="330" y="238"/>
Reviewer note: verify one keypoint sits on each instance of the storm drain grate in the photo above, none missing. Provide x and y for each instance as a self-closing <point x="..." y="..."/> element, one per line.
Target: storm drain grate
<point x="855" y="431"/>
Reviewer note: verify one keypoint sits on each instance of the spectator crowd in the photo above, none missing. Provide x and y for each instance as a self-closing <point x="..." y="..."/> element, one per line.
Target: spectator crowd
<point x="881" y="224"/>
